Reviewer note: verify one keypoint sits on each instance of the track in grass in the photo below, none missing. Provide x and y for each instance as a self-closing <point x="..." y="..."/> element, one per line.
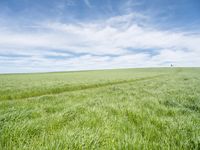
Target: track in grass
<point x="81" y="87"/>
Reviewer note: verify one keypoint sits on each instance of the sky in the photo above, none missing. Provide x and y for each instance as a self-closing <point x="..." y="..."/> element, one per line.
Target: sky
<point x="65" y="35"/>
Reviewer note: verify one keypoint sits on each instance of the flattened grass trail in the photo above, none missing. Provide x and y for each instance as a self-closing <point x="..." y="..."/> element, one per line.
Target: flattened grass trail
<point x="108" y="109"/>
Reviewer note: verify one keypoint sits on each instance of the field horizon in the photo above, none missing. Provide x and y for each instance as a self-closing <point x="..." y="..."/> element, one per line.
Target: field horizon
<point x="86" y="70"/>
<point x="99" y="75"/>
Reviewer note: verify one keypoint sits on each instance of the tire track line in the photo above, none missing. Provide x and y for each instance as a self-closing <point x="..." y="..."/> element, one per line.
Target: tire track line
<point x="82" y="87"/>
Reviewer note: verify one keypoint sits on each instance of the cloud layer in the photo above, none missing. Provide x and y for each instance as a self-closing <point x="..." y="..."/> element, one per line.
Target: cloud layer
<point x="116" y="42"/>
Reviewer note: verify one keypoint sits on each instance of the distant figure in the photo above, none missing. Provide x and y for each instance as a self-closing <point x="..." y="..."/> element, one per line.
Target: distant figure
<point x="172" y="65"/>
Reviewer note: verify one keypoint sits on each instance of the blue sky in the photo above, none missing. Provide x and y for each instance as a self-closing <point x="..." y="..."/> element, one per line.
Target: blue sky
<point x="59" y="35"/>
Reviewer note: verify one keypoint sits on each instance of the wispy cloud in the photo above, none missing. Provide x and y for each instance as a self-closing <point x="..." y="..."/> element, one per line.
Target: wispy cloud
<point x="88" y="3"/>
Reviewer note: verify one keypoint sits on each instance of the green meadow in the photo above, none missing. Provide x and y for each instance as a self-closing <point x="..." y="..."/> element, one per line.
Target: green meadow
<point x="154" y="108"/>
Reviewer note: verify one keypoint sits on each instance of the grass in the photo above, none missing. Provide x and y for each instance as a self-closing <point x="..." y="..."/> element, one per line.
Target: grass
<point x="108" y="109"/>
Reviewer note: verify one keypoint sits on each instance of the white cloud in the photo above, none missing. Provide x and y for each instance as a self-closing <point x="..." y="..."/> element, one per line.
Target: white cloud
<point x="99" y="40"/>
<point x="87" y="2"/>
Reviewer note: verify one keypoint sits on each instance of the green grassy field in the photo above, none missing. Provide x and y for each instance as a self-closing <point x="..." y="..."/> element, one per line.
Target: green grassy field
<point x="108" y="109"/>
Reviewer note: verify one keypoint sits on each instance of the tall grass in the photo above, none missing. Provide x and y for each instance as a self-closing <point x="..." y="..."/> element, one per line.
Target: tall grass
<point x="121" y="109"/>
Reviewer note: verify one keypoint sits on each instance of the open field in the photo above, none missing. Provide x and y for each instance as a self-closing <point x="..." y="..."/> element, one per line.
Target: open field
<point x="108" y="109"/>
